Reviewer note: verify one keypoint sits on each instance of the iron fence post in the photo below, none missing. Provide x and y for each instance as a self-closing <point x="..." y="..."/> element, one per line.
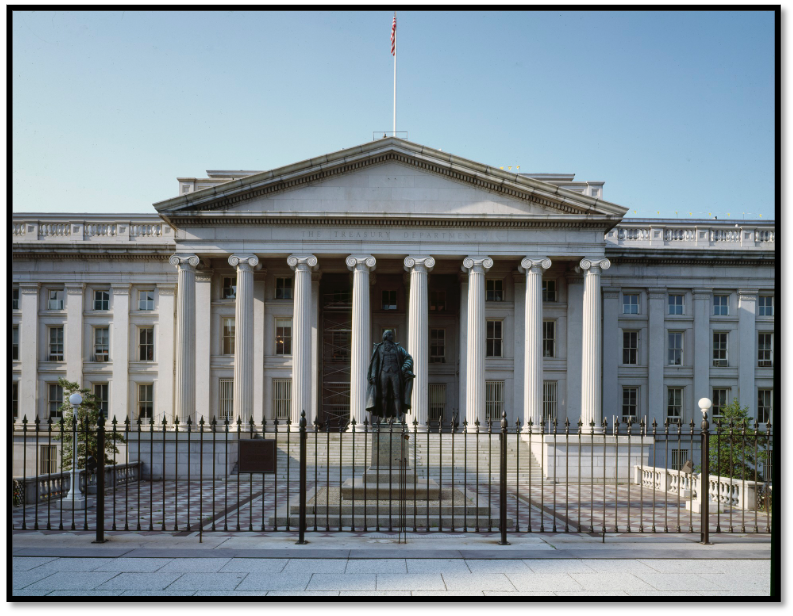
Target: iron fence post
<point x="704" y="482"/>
<point x="502" y="514"/>
<point x="100" y="480"/>
<point x="302" y="472"/>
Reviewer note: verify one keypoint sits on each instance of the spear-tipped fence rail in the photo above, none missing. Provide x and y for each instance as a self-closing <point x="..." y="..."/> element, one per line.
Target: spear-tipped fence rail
<point x="618" y="478"/>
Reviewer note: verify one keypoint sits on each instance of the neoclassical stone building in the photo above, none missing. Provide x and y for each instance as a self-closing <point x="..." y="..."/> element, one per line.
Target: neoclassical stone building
<point x="259" y="295"/>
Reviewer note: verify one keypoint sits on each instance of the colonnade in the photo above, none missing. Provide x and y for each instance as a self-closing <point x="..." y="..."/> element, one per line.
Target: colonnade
<point x="476" y="267"/>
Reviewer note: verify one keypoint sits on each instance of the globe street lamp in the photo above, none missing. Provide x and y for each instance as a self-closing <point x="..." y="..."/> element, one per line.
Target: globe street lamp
<point x="74" y="497"/>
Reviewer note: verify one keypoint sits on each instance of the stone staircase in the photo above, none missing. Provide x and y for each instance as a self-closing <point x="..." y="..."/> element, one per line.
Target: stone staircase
<point x="326" y="451"/>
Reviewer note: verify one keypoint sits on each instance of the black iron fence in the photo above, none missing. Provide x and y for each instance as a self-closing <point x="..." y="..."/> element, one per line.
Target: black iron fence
<point x="485" y="477"/>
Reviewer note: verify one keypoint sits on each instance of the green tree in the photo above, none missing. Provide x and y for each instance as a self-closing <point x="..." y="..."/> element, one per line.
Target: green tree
<point x="90" y="413"/>
<point x="732" y="444"/>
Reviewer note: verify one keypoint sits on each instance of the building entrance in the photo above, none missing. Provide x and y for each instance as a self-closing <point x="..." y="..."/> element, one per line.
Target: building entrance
<point x="336" y="318"/>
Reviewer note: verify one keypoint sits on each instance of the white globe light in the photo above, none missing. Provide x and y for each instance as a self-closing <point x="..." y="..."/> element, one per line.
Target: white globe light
<point x="75" y="399"/>
<point x="704" y="404"/>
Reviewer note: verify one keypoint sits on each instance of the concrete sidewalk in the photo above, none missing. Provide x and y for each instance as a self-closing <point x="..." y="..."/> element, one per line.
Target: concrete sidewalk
<point x="372" y="564"/>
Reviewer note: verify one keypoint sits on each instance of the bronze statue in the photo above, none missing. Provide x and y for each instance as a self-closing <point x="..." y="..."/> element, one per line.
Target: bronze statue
<point x="390" y="379"/>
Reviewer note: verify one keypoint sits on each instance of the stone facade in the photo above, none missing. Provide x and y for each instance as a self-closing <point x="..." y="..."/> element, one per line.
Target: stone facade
<point x="527" y="294"/>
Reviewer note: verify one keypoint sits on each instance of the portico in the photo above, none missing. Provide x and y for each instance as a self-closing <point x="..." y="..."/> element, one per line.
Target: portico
<point x="501" y="231"/>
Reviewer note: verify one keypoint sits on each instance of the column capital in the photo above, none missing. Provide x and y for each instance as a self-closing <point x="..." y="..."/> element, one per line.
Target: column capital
<point x="657" y="293"/>
<point x="358" y="261"/>
<point x="74" y="288"/>
<point x="242" y="261"/>
<point x="747" y="295"/>
<point x="297" y="262"/>
<point x="596" y="265"/>
<point x="120" y="288"/>
<point x="166" y="289"/>
<point x="702" y="293"/>
<point x="186" y="260"/>
<point x="419" y="263"/>
<point x="481" y="262"/>
<point x="29" y="288"/>
<point x="534" y="263"/>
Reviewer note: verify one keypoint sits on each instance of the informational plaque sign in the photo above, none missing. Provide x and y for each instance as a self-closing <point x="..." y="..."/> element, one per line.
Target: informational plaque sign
<point x="257" y="456"/>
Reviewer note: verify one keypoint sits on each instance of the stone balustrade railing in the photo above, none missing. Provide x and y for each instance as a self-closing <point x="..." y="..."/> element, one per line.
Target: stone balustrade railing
<point x="100" y="229"/>
<point x="56" y="485"/>
<point x="696" y="234"/>
<point x="726" y="491"/>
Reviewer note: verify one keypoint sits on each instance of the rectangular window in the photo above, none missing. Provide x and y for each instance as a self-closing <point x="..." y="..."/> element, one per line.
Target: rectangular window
<point x="675" y="350"/>
<point x="389" y="300"/>
<point x="765" y="350"/>
<point x="101" y="391"/>
<point x="282" y="397"/>
<point x="15" y="342"/>
<point x="228" y="336"/>
<point x="437" y="398"/>
<point x="676" y="304"/>
<point x="721" y="305"/>
<point x="437" y="301"/>
<point x="494" y="290"/>
<point x="630" y="397"/>
<point x="101" y="300"/>
<point x="101" y="344"/>
<point x="549" y="290"/>
<point x="15" y="400"/>
<point x="679" y="458"/>
<point x="146" y="300"/>
<point x="226" y="399"/>
<point x="146" y="345"/>
<point x="55" y="300"/>
<point x="229" y="287"/>
<point x="56" y="344"/>
<point x="54" y="400"/>
<point x="630" y="303"/>
<point x="549" y="401"/>
<point x="145" y="401"/>
<point x="48" y="459"/>
<point x="720" y="349"/>
<point x="549" y="338"/>
<point x="283" y="288"/>
<point x="674" y="405"/>
<point x="720" y="400"/>
<point x="765" y="306"/>
<point x="15" y="298"/>
<point x="630" y="348"/>
<point x="283" y="336"/>
<point x="437" y="346"/>
<point x="494" y="400"/>
<point x="495" y="341"/>
<point x="764" y="405"/>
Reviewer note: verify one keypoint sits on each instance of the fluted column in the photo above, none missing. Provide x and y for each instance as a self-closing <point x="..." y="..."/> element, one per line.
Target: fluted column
<point x="243" y="336"/>
<point x="184" y="406"/>
<point x="476" y="337"/>
<point x="532" y="349"/>
<point x="360" y="265"/>
<point x="303" y="265"/>
<point x="591" y="402"/>
<point x="418" y="334"/>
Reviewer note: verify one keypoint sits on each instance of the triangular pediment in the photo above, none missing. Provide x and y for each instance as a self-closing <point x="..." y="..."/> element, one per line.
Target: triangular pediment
<point x="390" y="177"/>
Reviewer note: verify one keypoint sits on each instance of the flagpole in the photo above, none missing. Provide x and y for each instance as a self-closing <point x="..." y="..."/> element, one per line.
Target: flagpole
<point x="395" y="43"/>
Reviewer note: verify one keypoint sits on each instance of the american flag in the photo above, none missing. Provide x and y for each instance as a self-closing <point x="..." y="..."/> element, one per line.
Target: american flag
<point x="393" y="36"/>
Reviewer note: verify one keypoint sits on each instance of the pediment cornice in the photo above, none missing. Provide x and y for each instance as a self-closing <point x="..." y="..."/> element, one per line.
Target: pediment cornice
<point x="476" y="175"/>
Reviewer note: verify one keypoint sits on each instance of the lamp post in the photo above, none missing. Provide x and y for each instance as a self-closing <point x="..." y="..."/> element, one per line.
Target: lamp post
<point x="704" y="478"/>
<point x="74" y="497"/>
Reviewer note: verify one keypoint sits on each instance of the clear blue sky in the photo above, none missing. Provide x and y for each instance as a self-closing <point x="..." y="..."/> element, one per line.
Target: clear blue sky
<point x="673" y="110"/>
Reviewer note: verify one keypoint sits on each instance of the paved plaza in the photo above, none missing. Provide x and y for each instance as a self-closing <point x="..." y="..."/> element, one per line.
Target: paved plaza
<point x="375" y="564"/>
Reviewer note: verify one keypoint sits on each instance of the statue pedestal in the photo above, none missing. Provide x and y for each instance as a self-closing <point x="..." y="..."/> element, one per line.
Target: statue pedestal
<point x="390" y="494"/>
